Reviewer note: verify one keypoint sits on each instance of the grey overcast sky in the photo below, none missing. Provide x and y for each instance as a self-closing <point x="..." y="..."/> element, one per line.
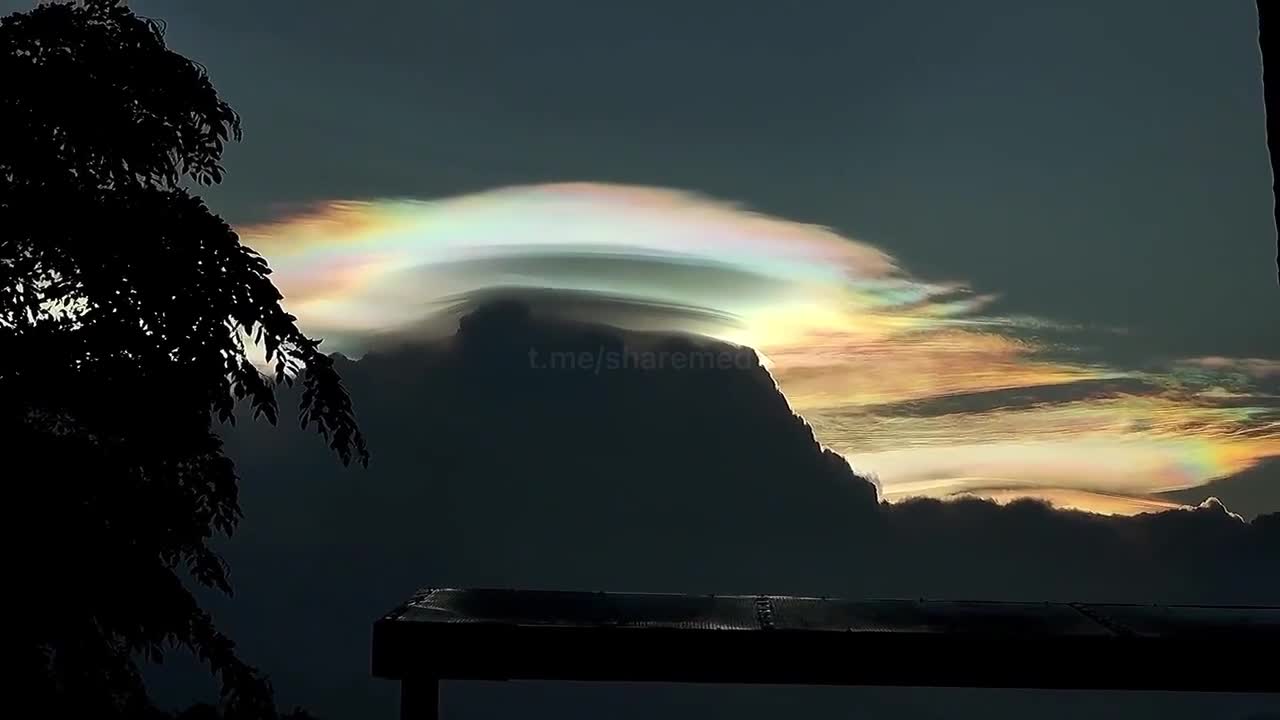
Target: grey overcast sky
<point x="1091" y="161"/>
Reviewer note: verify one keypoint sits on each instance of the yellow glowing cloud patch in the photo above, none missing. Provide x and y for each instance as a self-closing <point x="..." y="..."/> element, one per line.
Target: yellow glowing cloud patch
<point x="1102" y="503"/>
<point x="906" y="377"/>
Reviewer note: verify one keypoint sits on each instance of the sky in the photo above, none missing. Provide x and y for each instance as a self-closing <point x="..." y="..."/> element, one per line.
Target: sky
<point x="997" y="247"/>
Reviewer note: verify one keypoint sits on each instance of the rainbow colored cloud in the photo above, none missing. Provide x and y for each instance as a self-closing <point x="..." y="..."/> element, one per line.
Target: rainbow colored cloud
<point x="911" y="380"/>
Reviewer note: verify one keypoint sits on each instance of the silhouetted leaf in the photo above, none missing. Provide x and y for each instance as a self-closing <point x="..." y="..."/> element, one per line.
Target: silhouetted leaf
<point x="128" y="301"/>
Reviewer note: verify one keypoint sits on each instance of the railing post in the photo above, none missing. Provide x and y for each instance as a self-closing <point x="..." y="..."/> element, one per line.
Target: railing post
<point x="419" y="698"/>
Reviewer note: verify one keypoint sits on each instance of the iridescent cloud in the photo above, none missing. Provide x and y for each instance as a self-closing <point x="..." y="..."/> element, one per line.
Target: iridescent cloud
<point x="1120" y="444"/>
<point x="911" y="379"/>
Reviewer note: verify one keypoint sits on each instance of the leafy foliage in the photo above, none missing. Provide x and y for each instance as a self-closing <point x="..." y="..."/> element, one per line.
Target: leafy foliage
<point x="125" y="310"/>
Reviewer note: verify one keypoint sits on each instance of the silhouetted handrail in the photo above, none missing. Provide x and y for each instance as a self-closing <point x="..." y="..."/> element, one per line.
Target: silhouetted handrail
<point x="629" y="637"/>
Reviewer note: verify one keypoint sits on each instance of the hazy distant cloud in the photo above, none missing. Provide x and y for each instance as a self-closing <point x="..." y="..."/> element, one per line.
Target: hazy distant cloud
<point x="1110" y="437"/>
<point x="1260" y="368"/>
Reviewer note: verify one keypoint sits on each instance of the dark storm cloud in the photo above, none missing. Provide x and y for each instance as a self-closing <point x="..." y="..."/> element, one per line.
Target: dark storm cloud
<point x="493" y="467"/>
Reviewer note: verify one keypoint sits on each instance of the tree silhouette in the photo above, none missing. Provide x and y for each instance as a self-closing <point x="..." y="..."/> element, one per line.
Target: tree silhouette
<point x="126" y="306"/>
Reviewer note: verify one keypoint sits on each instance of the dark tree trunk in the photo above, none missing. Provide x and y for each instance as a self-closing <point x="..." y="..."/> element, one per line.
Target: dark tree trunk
<point x="1268" y="19"/>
